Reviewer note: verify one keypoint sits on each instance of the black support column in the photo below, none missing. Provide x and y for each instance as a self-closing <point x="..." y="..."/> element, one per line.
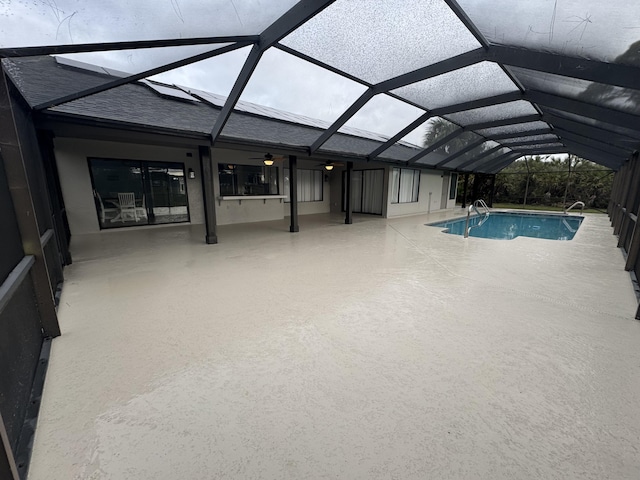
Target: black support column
<point x="493" y="190"/>
<point x="58" y="211"/>
<point x="475" y="187"/>
<point x="348" y="205"/>
<point x="464" y="190"/>
<point x="293" y="193"/>
<point x="206" y="167"/>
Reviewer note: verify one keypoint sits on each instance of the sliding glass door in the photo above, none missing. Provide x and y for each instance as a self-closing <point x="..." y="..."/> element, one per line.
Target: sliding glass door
<point x="131" y="192"/>
<point x="366" y="191"/>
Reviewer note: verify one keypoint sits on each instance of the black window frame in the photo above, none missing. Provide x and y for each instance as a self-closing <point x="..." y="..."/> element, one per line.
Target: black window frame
<point x="145" y="188"/>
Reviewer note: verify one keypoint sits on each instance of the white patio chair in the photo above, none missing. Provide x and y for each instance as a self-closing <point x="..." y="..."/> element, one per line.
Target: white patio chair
<point x="142" y="210"/>
<point x="127" y="201"/>
<point x="104" y="211"/>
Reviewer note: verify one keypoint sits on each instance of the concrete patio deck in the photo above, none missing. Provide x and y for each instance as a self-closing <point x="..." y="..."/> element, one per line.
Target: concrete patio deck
<point x="383" y="349"/>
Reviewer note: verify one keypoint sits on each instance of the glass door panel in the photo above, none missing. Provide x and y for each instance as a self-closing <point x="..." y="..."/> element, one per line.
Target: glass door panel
<point x="114" y="183"/>
<point x="169" y="194"/>
<point x="128" y="192"/>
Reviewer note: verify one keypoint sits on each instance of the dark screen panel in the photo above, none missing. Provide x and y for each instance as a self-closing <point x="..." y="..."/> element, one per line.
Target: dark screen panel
<point x="20" y="344"/>
<point x="10" y="240"/>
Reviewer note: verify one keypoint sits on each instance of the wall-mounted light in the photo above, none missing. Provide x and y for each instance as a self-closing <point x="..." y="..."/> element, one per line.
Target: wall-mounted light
<point x="268" y="162"/>
<point x="191" y="173"/>
<point x="328" y="167"/>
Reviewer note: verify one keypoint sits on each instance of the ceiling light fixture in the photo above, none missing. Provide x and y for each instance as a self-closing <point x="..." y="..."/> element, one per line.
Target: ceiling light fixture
<point x="268" y="162"/>
<point x="328" y="167"/>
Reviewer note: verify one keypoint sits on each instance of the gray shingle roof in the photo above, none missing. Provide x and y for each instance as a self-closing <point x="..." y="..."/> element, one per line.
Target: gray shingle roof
<point x="41" y="78"/>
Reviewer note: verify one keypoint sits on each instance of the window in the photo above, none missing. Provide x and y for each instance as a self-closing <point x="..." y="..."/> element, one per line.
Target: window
<point x="405" y="183"/>
<point x="134" y="192"/>
<point x="309" y="185"/>
<point x="453" y="187"/>
<point x="247" y="179"/>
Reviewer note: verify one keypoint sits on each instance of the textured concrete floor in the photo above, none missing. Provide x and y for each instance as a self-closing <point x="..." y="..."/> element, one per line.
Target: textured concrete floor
<point x="380" y="350"/>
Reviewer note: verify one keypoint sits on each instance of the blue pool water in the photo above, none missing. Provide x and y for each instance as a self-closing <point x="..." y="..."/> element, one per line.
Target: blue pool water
<point x="507" y="226"/>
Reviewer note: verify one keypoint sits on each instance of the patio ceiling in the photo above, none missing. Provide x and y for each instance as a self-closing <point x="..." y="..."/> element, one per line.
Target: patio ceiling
<point x="500" y="79"/>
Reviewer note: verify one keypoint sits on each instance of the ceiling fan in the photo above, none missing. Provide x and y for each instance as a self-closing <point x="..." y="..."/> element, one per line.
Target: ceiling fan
<point x="329" y="165"/>
<point x="268" y="159"/>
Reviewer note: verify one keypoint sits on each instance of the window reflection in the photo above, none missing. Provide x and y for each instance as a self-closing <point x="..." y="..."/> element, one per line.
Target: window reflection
<point x="247" y="180"/>
<point x="128" y="192"/>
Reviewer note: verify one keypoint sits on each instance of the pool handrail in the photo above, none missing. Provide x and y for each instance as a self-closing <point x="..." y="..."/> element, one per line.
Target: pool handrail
<point x="474" y="207"/>
<point x="576" y="204"/>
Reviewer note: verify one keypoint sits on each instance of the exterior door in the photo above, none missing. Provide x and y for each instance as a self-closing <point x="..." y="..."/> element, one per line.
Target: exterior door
<point x="366" y="191"/>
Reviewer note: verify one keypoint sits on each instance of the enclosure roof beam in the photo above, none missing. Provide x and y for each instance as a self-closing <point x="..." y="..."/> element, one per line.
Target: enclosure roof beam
<point x="527" y="133"/>
<point x="571" y="143"/>
<point x="615" y="117"/>
<point x="503" y="164"/>
<point x="588" y="130"/>
<point x="595" y="156"/>
<point x="604" y="146"/>
<point x="531" y="142"/>
<point x="440" y="143"/>
<point x="464" y="18"/>
<point x="398" y="136"/>
<point x="575" y="67"/>
<point x="292" y="19"/>
<point x="491" y="163"/>
<point x="459" y="107"/>
<point x="480" y="161"/>
<point x="445" y="66"/>
<point x="461" y="152"/>
<point x="502" y="123"/>
<point x="482" y="102"/>
<point x="132" y="45"/>
<point x="342" y="119"/>
<point x="479" y="157"/>
<point x="132" y="78"/>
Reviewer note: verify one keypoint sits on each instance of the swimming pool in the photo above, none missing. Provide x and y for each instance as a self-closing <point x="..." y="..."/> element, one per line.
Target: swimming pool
<point x="509" y="225"/>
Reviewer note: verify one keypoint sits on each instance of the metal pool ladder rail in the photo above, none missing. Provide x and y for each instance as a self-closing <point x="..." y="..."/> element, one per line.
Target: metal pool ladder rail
<point x="576" y="204"/>
<point x="483" y="216"/>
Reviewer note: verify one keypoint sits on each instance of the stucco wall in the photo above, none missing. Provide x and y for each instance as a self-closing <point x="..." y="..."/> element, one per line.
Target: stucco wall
<point x="247" y="210"/>
<point x="72" y="154"/>
<point x="73" y="167"/>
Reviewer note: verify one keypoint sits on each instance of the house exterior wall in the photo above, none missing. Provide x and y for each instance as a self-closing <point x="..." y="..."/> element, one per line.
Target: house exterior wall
<point x="72" y="154"/>
<point x="71" y="158"/>
<point x="249" y="210"/>
<point x="336" y="185"/>
<point x="430" y="182"/>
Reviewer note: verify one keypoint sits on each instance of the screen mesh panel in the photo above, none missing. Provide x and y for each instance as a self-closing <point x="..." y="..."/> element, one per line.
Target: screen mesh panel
<point x="384" y="115"/>
<point x="484" y="79"/>
<point x="610" y="96"/>
<point x="379" y="40"/>
<point x="515" y="128"/>
<point x="88" y="21"/>
<point x="604" y="31"/>
<point x="502" y="111"/>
